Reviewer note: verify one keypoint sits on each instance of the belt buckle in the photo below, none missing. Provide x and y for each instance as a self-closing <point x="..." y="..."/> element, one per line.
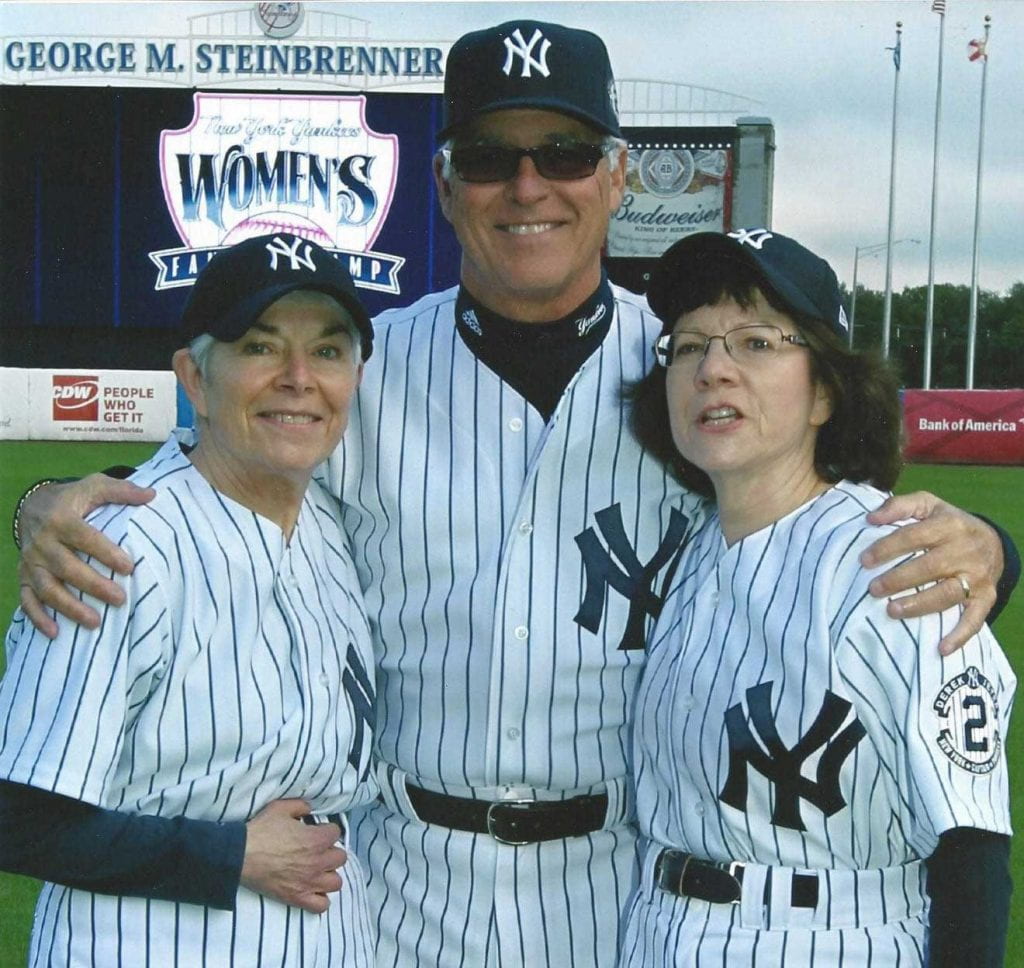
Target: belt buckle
<point x="734" y="867"/>
<point x="493" y="820"/>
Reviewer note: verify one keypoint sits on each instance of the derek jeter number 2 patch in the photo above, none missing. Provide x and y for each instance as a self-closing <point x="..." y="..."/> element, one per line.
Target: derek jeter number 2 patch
<point x="969" y="721"/>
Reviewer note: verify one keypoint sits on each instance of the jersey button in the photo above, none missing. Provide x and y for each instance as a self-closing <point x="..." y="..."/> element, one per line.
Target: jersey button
<point x="699" y="809"/>
<point x="521" y="632"/>
<point x="324" y="679"/>
<point x="686" y="702"/>
<point x="515" y="425"/>
<point x="525" y="527"/>
<point x="512" y="732"/>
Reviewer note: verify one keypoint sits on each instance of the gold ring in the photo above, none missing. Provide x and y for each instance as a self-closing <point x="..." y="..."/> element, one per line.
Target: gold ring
<point x="965" y="586"/>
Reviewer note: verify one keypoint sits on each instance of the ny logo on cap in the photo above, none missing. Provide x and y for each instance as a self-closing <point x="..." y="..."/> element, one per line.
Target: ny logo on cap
<point x="752" y="237"/>
<point x="525" y="50"/>
<point x="278" y="247"/>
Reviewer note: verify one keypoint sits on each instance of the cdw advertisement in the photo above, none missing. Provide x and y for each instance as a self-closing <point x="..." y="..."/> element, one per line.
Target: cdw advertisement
<point x="97" y="405"/>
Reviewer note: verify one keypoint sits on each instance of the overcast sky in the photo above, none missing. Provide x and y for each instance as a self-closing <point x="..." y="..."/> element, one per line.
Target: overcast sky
<point x="821" y="72"/>
<point x="823" y="75"/>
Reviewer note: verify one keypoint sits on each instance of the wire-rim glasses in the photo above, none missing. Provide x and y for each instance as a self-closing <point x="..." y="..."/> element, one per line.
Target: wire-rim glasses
<point x="750" y="346"/>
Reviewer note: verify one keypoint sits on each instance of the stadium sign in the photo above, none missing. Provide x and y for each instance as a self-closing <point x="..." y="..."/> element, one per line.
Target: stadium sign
<point x="251" y="164"/>
<point x="964" y="426"/>
<point x="133" y="405"/>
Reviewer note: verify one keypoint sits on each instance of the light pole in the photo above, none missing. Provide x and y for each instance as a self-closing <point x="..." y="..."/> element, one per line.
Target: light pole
<point x="887" y="304"/>
<point x="867" y="250"/>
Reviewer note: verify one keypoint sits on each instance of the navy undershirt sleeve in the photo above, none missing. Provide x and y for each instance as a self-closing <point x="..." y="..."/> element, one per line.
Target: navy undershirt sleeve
<point x="65" y="841"/>
<point x="969" y="886"/>
<point x="1011" y="570"/>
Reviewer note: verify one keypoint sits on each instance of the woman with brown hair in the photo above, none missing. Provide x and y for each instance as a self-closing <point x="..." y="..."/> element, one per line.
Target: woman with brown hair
<point x="816" y="784"/>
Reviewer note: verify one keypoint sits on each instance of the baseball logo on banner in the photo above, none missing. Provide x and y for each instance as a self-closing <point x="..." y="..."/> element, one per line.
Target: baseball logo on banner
<point x="251" y="165"/>
<point x="279" y="20"/>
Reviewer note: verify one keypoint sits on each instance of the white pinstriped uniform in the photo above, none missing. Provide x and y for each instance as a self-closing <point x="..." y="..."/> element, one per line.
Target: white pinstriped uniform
<point x="464" y="508"/>
<point x="789" y="606"/>
<point x="236" y="674"/>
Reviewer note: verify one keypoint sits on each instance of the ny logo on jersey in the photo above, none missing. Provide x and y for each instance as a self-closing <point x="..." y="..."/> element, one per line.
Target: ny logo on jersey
<point x="751" y="237"/>
<point x="523" y="49"/>
<point x="278" y="247"/>
<point x="782" y="766"/>
<point x="634" y="583"/>
<point x="359" y="690"/>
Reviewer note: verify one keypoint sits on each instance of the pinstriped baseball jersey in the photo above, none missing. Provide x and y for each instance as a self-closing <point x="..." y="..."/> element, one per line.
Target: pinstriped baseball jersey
<point x="239" y="672"/>
<point x="510" y="567"/>
<point x="784" y="719"/>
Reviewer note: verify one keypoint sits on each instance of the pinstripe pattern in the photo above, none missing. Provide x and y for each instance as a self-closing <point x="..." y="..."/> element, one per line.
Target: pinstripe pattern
<point x="463" y="507"/>
<point x="789" y="605"/>
<point x="216" y="689"/>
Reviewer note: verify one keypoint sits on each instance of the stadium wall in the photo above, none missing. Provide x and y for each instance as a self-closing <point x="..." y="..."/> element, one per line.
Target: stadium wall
<point x="74" y="403"/>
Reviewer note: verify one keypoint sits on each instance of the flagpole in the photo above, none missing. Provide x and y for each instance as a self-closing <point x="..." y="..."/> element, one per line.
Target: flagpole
<point x="972" y="325"/>
<point x="929" y="317"/>
<point x="887" y="315"/>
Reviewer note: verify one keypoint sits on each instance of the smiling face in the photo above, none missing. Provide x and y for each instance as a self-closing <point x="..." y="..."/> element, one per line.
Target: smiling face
<point x="273" y="404"/>
<point x="531" y="246"/>
<point x="744" y="426"/>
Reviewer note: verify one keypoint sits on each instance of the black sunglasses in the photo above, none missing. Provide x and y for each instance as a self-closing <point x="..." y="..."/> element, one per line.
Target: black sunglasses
<point x="492" y="163"/>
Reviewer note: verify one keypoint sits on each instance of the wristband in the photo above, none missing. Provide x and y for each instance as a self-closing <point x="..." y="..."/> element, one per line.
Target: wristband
<point x="16" y="522"/>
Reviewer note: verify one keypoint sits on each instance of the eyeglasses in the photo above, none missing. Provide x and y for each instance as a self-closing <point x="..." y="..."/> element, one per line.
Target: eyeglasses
<point x="750" y="346"/>
<point x="493" y="163"/>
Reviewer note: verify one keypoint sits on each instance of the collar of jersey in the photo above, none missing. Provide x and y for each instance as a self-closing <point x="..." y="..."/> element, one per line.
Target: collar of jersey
<point x="588" y="321"/>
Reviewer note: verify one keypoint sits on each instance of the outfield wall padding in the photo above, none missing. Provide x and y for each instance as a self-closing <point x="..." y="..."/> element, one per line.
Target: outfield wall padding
<point x="941" y="426"/>
<point x="964" y="426"/>
<point x="87" y="404"/>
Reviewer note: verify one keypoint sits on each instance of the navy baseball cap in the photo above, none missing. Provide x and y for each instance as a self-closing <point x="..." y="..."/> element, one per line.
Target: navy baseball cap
<point x="529" y="64"/>
<point x="804" y="282"/>
<point x="240" y="282"/>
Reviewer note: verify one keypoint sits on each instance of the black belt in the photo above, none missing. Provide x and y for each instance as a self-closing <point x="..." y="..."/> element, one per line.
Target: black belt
<point x="515" y="822"/>
<point x="684" y="875"/>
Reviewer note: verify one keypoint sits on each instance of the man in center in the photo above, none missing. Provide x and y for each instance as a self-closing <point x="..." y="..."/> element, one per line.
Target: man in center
<point x="505" y="496"/>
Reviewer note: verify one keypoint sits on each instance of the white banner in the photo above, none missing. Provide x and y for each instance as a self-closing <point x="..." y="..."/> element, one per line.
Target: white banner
<point x="670" y="193"/>
<point x="119" y="405"/>
<point x="13" y="403"/>
<point x="274" y="46"/>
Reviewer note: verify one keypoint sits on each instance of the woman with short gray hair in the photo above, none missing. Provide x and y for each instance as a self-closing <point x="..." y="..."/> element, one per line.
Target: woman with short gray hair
<point x="235" y="686"/>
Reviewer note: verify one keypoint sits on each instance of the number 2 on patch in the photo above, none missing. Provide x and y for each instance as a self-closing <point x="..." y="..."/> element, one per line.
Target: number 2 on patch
<point x="978" y="720"/>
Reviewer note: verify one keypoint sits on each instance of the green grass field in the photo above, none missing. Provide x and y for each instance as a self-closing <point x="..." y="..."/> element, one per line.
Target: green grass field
<point x="995" y="491"/>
